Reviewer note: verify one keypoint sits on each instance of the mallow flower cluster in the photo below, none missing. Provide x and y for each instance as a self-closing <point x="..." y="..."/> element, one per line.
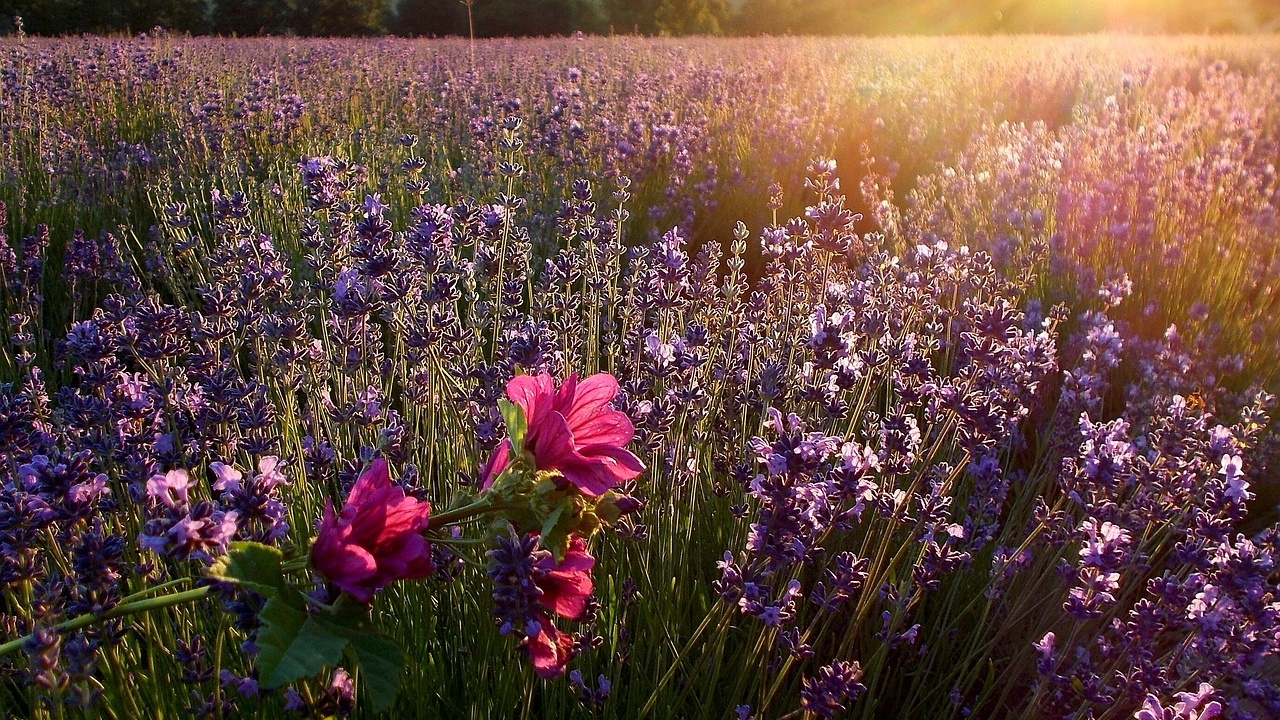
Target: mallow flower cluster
<point x="548" y="488"/>
<point x="564" y="467"/>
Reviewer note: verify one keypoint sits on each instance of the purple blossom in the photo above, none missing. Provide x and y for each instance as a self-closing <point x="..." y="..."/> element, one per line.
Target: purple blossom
<point x="834" y="686"/>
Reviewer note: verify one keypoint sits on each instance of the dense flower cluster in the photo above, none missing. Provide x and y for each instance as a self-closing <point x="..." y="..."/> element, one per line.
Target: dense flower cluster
<point x="958" y="452"/>
<point x="531" y="588"/>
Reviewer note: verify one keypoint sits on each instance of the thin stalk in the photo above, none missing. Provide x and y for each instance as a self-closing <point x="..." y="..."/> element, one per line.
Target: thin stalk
<point x="467" y="512"/>
<point x="122" y="610"/>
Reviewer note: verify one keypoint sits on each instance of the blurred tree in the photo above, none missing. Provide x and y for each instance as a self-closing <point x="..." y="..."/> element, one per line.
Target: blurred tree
<point x="833" y="17"/>
<point x="327" y="18"/>
<point x="60" y="17"/>
<point x="675" y="17"/>
<point x="180" y="15"/>
<point x="430" y="17"/>
<point x="765" y="17"/>
<point x="1216" y="17"/>
<point x="507" y="18"/>
<point x="632" y="16"/>
<point x="251" y="17"/>
<point x="883" y="17"/>
<point x="691" y="17"/>
<point x="1268" y="16"/>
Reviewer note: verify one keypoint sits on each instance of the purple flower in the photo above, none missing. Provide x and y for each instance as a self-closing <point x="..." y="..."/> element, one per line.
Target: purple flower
<point x="1237" y="486"/>
<point x="180" y="529"/>
<point x="1190" y="706"/>
<point x="1044" y="665"/>
<point x="170" y="489"/>
<point x="835" y="685"/>
<point x="1104" y="545"/>
<point x="228" y="478"/>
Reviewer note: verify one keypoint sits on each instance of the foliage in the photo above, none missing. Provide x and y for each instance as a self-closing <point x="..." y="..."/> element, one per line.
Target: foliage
<point x="507" y="18"/>
<point x="690" y="17"/>
<point x="430" y="18"/>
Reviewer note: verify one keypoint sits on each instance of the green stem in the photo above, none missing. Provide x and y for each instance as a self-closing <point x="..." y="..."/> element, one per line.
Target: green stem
<point x="147" y="592"/>
<point x="121" y="610"/>
<point x="680" y="657"/>
<point x="466" y="512"/>
<point x="456" y="542"/>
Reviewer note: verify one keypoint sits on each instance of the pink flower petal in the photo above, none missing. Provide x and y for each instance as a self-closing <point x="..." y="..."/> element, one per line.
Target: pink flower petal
<point x="533" y="395"/>
<point x="550" y="650"/>
<point x="593" y="479"/>
<point x="593" y="397"/>
<point x="375" y="540"/>
<point x="619" y="461"/>
<point x="566" y="585"/>
<point x="369" y="482"/>
<point x="363" y="525"/>
<point x="609" y="427"/>
<point x="570" y="600"/>
<point x="572" y="429"/>
<point x="349" y="566"/>
<point x="554" y="448"/>
<point x="403" y="515"/>
<point x="498" y="462"/>
<point x="563" y="400"/>
<point x="408" y="557"/>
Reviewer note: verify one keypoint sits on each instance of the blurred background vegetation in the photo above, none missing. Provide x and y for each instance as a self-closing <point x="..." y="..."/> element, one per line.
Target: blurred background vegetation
<point x="494" y="18"/>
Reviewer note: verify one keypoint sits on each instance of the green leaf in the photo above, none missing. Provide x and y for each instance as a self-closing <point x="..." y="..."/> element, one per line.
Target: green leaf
<point x="348" y="612"/>
<point x="250" y="565"/>
<point x="557" y="526"/>
<point x="517" y="426"/>
<point x="381" y="661"/>
<point x="549" y="521"/>
<point x="293" y="645"/>
<point x="510" y="485"/>
<point x="379" y="657"/>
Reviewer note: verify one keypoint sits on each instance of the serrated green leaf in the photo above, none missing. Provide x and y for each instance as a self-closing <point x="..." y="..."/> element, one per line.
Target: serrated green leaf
<point x="517" y="425"/>
<point x="556" y="527"/>
<point x="549" y="522"/>
<point x="292" y="644"/>
<point x="250" y="565"/>
<point x="379" y="657"/>
<point x="381" y="662"/>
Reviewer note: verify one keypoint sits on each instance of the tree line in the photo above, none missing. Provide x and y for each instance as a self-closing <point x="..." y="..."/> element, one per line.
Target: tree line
<point x="498" y="18"/>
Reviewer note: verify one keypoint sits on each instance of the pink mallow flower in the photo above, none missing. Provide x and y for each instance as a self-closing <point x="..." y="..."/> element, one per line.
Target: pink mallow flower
<point x="571" y="429"/>
<point x="550" y="649"/>
<point x="375" y="540"/>
<point x="565" y="587"/>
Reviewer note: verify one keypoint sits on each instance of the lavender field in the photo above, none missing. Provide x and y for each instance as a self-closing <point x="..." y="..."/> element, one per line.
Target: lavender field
<point x="640" y="378"/>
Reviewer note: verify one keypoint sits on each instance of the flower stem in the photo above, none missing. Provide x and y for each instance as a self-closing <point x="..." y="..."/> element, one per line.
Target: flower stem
<point x="466" y="512"/>
<point x="121" y="610"/>
<point x="146" y="592"/>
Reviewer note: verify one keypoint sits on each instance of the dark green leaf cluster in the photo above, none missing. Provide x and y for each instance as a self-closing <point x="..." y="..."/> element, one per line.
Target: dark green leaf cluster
<point x="300" y="638"/>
